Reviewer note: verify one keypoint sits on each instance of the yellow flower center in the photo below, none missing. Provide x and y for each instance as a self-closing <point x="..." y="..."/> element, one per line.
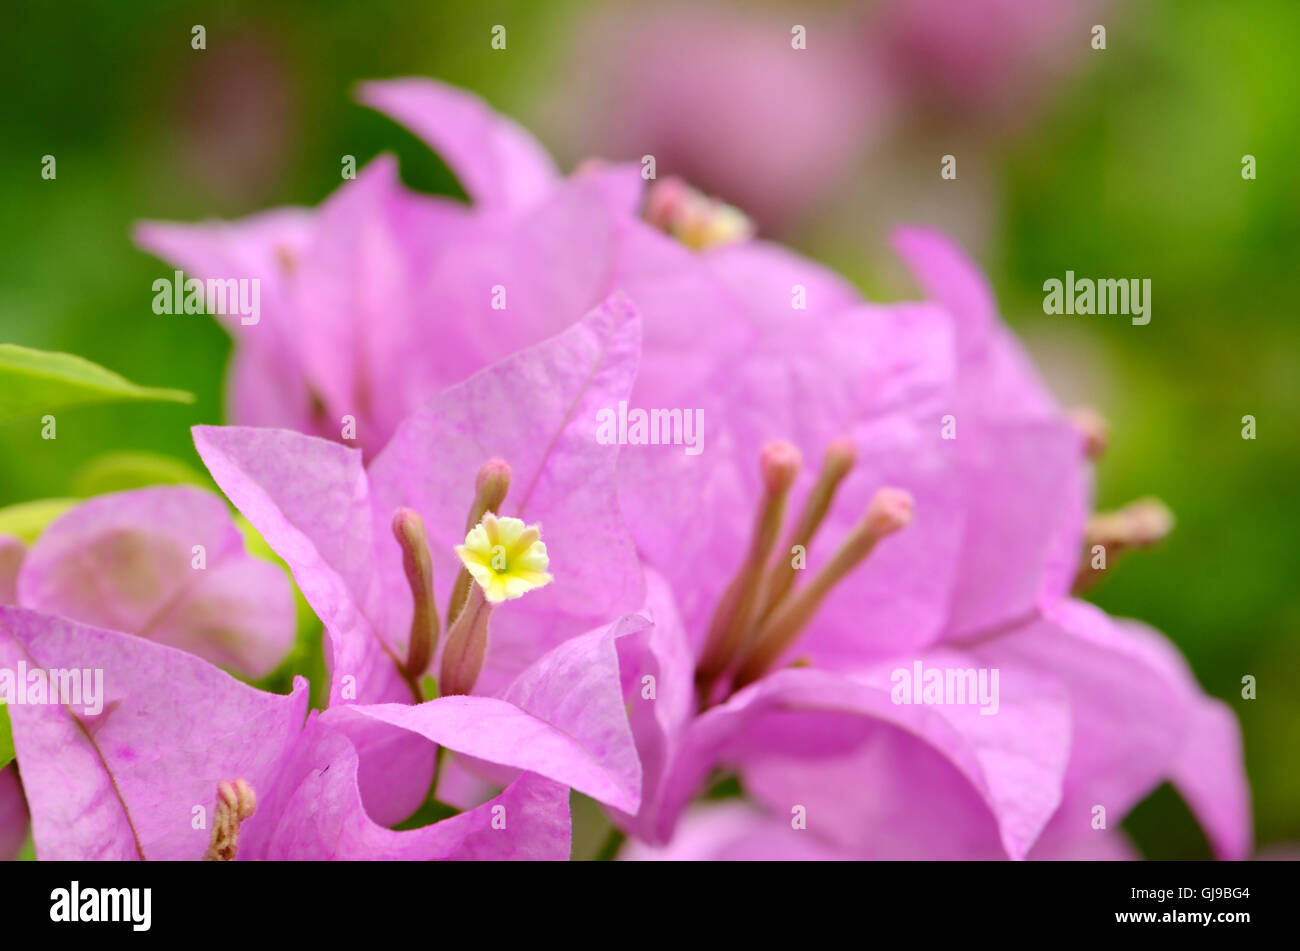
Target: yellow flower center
<point x="505" y="557"/>
<point x="693" y="218"/>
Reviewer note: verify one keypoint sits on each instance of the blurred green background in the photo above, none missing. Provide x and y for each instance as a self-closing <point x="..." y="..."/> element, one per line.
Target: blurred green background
<point x="1131" y="166"/>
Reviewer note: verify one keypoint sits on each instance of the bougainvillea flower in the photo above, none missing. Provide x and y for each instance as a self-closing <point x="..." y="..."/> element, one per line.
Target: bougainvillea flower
<point x="765" y="346"/>
<point x="1083" y="679"/>
<point x="1120" y="673"/>
<point x="338" y="289"/>
<point x="319" y="815"/>
<point x="727" y="337"/>
<point x="1072" y="676"/>
<point x="927" y="781"/>
<point x="512" y="442"/>
<point x="726" y="332"/>
<point x="167" y="564"/>
<point x="1029" y="487"/>
<point x="381" y="298"/>
<point x="166" y="728"/>
<point x="182" y="761"/>
<point x="1018" y="496"/>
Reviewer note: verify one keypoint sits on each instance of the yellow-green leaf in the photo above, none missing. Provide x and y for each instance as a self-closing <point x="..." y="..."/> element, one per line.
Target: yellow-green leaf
<point x="27" y="520"/>
<point x="36" y="382"/>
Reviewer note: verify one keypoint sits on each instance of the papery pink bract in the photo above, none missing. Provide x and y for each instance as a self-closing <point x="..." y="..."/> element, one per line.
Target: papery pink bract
<point x="1025" y="493"/>
<point x="1140" y="719"/>
<point x="338" y="291"/>
<point x="168" y="564"/>
<point x="328" y="517"/>
<point x="318" y="815"/>
<point x="927" y="781"/>
<point x="126" y="783"/>
<point x="122" y="784"/>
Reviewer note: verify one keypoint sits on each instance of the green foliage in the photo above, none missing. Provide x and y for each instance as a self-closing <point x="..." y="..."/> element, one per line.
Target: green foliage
<point x="36" y="382"/>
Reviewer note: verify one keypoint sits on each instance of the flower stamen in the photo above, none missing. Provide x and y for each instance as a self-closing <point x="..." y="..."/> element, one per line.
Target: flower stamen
<point x="779" y="463"/>
<point x="1095" y="430"/>
<point x="236" y="801"/>
<point x="408" y="529"/>
<point x="1140" y="524"/>
<point x="840" y="458"/>
<point x="890" y="510"/>
<point x="693" y="218"/>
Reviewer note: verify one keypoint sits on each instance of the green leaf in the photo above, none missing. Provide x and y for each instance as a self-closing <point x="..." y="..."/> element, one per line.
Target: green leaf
<point x="35" y="382"/>
<point x="6" y="738"/>
<point x="27" y="520"/>
<point x="128" y="469"/>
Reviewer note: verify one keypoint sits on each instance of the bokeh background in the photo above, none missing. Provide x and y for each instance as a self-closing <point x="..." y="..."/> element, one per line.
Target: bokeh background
<point x="1123" y="162"/>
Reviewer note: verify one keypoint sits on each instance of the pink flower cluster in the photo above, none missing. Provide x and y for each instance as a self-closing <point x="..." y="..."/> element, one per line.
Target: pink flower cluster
<point x="883" y="491"/>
